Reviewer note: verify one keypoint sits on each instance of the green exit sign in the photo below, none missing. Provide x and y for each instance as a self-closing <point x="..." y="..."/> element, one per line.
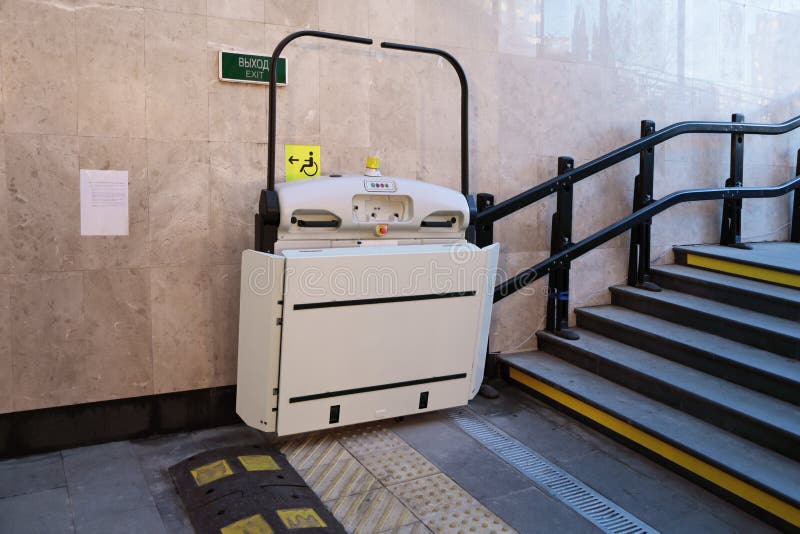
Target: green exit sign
<point x="249" y="68"/>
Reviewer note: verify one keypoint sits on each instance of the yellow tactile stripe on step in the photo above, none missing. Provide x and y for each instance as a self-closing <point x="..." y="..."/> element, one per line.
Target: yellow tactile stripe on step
<point x="763" y="500"/>
<point x="740" y="269"/>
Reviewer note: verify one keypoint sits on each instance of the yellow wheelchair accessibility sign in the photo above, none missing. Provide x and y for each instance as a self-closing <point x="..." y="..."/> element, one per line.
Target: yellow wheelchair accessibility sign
<point x="302" y="161"/>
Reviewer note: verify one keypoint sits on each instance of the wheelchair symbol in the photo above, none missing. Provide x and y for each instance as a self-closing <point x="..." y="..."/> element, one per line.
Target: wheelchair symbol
<point x="308" y="164"/>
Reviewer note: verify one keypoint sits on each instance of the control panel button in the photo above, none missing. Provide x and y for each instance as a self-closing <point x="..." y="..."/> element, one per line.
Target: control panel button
<point x="381" y="229"/>
<point x="380" y="186"/>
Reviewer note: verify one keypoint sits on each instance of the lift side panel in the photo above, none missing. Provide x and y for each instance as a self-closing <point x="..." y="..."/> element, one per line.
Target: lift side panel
<point x="492" y="253"/>
<point x="260" y="311"/>
<point x="371" y="358"/>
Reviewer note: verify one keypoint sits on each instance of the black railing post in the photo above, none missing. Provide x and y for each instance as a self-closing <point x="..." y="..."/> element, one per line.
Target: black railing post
<point x="795" y="233"/>
<point x="561" y="238"/>
<point x="639" y="257"/>
<point x="731" y="232"/>
<point x="484" y="231"/>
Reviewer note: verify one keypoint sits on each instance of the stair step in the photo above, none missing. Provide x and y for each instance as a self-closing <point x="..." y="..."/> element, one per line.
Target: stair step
<point x="748" y="366"/>
<point x="775" y="334"/>
<point x="758" y="296"/>
<point x="755" y="416"/>
<point x="760" y="477"/>
<point x="777" y="263"/>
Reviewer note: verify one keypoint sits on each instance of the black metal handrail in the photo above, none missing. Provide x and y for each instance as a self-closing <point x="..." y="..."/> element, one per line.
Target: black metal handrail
<point x="273" y="95"/>
<point x="570" y="253"/>
<point x="462" y="78"/>
<point x="572" y="176"/>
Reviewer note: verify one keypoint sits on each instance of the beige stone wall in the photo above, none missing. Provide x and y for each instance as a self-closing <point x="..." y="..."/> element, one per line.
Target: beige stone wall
<point x="132" y="85"/>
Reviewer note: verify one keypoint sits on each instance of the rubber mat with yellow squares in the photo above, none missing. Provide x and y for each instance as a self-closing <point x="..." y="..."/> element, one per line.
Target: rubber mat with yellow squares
<point x="250" y="489"/>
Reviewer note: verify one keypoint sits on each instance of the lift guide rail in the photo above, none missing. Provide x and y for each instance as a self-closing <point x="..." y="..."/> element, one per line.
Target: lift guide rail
<point x="372" y="306"/>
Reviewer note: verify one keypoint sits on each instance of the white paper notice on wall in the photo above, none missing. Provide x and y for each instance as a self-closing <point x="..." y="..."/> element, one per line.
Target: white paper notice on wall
<point x="104" y="202"/>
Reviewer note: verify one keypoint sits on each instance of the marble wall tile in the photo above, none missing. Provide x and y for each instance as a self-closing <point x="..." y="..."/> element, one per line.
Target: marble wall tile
<point x="592" y="274"/>
<point x="531" y="89"/>
<point x="486" y="172"/>
<point x="770" y="44"/>
<point x="237" y="175"/>
<point x="435" y="24"/>
<point x="350" y="17"/>
<point x="111" y="81"/>
<point x="133" y="250"/>
<point x="7" y="376"/>
<point x="124" y="3"/>
<point x="49" y="339"/>
<point x="392" y="20"/>
<point x="178" y="202"/>
<point x="766" y="219"/>
<point x="44" y="202"/>
<point x="339" y="159"/>
<point x="225" y="282"/>
<point x="438" y="104"/>
<point x="300" y="106"/>
<point x="615" y="188"/>
<point x="344" y="89"/>
<point x="177" y="92"/>
<point x="119" y="362"/>
<point x="2" y="93"/>
<point x="517" y="317"/>
<point x="5" y="230"/>
<point x="293" y="13"/>
<point x="547" y="78"/>
<point x="236" y="111"/>
<point x="393" y="100"/>
<point x="440" y="167"/>
<point x="237" y="9"/>
<point x="485" y="83"/>
<point x="702" y="40"/>
<point x="194" y="7"/>
<point x="181" y="312"/>
<point x="528" y="229"/>
<point x="520" y="27"/>
<point x="37" y="40"/>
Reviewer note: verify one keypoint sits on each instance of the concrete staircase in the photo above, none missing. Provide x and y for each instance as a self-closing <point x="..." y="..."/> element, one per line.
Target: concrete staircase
<point x="703" y="376"/>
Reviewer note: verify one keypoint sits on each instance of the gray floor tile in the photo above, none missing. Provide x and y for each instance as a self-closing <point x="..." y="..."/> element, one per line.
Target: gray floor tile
<point x="647" y="498"/>
<point x="469" y="464"/>
<point x="229" y="436"/>
<point x="531" y="510"/>
<point x="707" y="523"/>
<point x="144" y="520"/>
<point x="44" y="512"/>
<point x="31" y="474"/>
<point x="105" y="480"/>
<point x="556" y="443"/>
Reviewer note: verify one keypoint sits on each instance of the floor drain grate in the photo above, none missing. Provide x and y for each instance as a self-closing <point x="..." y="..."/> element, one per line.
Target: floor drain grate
<point x="594" y="507"/>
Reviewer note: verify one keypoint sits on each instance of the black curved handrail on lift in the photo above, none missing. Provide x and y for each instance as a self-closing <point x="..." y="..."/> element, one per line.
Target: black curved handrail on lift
<point x="273" y="95"/>
<point x="563" y="250"/>
<point x="268" y="216"/>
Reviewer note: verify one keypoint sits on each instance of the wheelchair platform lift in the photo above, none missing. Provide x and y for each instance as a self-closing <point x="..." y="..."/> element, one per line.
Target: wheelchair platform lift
<point x="363" y="299"/>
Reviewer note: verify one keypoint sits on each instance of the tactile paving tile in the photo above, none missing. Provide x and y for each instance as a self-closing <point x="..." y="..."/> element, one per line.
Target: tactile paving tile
<point x="413" y="528"/>
<point x="374" y="511"/>
<point x="398" y="465"/>
<point x="313" y="450"/>
<point x="446" y="508"/>
<point x="338" y="479"/>
<point x="366" y="440"/>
